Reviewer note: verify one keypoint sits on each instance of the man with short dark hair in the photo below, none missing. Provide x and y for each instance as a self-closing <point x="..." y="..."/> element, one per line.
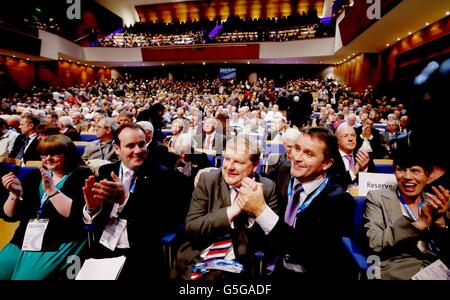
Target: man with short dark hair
<point x="123" y="206"/>
<point x="25" y="146"/>
<point x="317" y="213"/>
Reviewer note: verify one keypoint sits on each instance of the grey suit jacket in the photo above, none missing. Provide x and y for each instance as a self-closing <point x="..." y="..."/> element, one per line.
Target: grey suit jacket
<point x="92" y="151"/>
<point x="207" y="220"/>
<point x="394" y="238"/>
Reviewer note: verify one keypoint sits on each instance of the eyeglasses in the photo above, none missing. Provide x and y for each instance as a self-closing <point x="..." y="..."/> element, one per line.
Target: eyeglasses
<point x="100" y="127"/>
<point x="44" y="156"/>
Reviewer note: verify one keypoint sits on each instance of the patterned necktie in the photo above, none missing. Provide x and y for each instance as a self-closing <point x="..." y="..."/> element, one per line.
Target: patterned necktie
<point x="292" y="207"/>
<point x="351" y="162"/>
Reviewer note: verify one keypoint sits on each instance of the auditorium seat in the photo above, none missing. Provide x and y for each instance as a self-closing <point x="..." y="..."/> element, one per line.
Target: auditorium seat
<point x="87" y="137"/>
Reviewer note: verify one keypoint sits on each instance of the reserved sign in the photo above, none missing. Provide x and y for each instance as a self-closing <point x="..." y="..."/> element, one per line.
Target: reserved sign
<point x="375" y="181"/>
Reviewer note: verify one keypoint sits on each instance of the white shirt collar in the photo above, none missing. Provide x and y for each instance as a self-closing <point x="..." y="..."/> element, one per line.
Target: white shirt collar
<point x="126" y="170"/>
<point x="310" y="186"/>
<point x="343" y="154"/>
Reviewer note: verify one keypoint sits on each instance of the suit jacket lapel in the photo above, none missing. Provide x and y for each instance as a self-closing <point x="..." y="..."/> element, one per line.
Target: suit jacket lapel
<point x="392" y="204"/>
<point x="224" y="192"/>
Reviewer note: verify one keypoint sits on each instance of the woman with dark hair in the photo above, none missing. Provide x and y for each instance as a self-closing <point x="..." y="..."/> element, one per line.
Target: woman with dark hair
<point x="48" y="203"/>
<point x="406" y="227"/>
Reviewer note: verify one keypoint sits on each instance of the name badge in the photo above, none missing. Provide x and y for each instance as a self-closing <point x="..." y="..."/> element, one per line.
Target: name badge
<point x="111" y="234"/>
<point x="34" y="234"/>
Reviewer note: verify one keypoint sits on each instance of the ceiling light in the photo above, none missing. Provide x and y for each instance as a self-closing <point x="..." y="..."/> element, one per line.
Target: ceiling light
<point x="124" y="65"/>
<point x="93" y="66"/>
<point x="60" y="58"/>
<point x="163" y="64"/>
<point x="426" y="24"/>
<point x="182" y="62"/>
<point x="85" y="65"/>
<point x="398" y="39"/>
<point x="387" y="45"/>
<point x="409" y="33"/>
<point x="248" y="62"/>
<point x="447" y="13"/>
<point x="14" y="56"/>
<point x="204" y="63"/>
<point x="78" y="62"/>
<point x="353" y="53"/>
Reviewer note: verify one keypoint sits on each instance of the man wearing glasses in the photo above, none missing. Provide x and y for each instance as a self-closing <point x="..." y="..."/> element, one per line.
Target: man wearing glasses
<point x="102" y="148"/>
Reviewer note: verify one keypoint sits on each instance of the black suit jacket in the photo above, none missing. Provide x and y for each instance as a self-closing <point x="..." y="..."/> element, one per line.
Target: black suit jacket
<point x="60" y="229"/>
<point x="73" y="134"/>
<point x="315" y="242"/>
<point x="340" y="176"/>
<point x="30" y="154"/>
<point x="144" y="233"/>
<point x="158" y="152"/>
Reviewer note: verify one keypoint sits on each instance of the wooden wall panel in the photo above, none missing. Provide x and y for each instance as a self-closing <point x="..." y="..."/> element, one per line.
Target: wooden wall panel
<point x="194" y="10"/>
<point x="21" y="72"/>
<point x="355" y="21"/>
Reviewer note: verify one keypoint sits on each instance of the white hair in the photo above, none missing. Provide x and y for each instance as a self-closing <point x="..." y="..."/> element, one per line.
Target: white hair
<point x="146" y="125"/>
<point x="66" y="121"/>
<point x="291" y="134"/>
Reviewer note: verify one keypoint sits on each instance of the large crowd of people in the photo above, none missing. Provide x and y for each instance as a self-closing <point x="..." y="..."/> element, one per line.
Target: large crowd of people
<point x="152" y="154"/>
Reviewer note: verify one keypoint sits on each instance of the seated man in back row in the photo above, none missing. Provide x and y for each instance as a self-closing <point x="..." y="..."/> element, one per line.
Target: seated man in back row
<point x="219" y="232"/>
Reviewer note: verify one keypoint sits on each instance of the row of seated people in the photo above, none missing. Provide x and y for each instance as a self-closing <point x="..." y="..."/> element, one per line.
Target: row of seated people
<point x="229" y="209"/>
<point x="291" y="34"/>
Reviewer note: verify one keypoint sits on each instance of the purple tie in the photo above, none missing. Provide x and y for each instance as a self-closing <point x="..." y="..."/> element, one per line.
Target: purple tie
<point x="292" y="207"/>
<point x="351" y="162"/>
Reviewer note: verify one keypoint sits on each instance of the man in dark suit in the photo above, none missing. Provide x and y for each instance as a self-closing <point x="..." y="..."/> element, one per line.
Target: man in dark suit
<point x="25" y="146"/>
<point x="126" y="201"/>
<point x="348" y="161"/>
<point x="156" y="151"/>
<point x="317" y="213"/>
<point x="214" y="214"/>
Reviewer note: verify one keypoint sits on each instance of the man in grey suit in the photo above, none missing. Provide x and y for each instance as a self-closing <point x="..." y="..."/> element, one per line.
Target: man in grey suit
<point x="214" y="214"/>
<point x="102" y="148"/>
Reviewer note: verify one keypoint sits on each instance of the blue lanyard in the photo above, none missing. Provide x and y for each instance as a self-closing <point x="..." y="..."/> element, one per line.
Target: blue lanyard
<point x="132" y="185"/>
<point x="101" y="149"/>
<point x="311" y="197"/>
<point x="44" y="198"/>
<point x="406" y="206"/>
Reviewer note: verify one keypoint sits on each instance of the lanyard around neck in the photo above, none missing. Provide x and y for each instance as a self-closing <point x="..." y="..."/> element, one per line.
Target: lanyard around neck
<point x="407" y="207"/>
<point x="133" y="183"/>
<point x="44" y="198"/>
<point x="311" y="196"/>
